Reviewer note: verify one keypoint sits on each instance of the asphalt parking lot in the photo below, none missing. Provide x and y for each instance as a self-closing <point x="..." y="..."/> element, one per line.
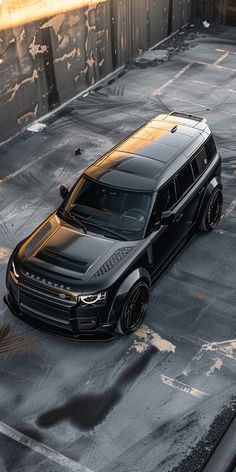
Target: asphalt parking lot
<point x="158" y="400"/>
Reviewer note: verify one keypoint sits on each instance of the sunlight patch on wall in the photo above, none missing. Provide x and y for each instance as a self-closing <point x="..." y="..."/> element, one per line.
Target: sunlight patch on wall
<point x="18" y="12"/>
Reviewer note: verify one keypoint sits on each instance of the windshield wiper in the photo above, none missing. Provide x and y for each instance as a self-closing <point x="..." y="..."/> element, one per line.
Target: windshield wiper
<point x="108" y="230"/>
<point x="77" y="220"/>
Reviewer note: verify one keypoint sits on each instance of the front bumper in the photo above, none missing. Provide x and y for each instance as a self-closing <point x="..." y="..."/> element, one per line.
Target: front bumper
<point x="53" y="320"/>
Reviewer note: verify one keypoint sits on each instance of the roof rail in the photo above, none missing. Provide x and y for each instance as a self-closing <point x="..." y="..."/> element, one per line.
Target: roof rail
<point x="186" y="115"/>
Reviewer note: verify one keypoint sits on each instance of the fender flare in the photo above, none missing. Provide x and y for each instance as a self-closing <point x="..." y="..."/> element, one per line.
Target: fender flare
<point x="138" y="274"/>
<point x="212" y="185"/>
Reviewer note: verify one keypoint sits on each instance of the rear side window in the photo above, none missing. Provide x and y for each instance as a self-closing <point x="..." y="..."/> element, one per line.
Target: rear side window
<point x="184" y="180"/>
<point x="199" y="163"/>
<point x="210" y="149"/>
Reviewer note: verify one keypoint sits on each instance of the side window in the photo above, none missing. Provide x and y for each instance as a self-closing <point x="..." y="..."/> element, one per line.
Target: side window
<point x="184" y="180"/>
<point x="210" y="148"/>
<point x="199" y="163"/>
<point x="166" y="198"/>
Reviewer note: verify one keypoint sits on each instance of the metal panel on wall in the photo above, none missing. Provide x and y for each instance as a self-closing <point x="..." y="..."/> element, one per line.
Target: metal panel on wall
<point x="181" y="13"/>
<point x="158" y="20"/>
<point x="49" y="60"/>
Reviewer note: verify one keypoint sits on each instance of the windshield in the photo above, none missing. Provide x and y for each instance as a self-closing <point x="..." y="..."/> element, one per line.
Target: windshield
<point x="112" y="211"/>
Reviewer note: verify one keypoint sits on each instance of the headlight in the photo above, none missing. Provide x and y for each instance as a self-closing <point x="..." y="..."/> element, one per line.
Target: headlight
<point x="93" y="299"/>
<point x="13" y="269"/>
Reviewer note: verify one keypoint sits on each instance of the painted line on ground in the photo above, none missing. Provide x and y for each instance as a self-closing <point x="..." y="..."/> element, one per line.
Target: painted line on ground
<point x="205" y="107"/>
<point x="171" y="81"/>
<point x="42" y="449"/>
<point x="225" y="233"/>
<point x="194" y="392"/>
<point x="221" y="58"/>
<point x="30" y="164"/>
<point x="202" y="63"/>
<point x="199" y="82"/>
<point x="229" y="209"/>
<point x="185" y="100"/>
<point x="27" y="206"/>
<point x="225" y="348"/>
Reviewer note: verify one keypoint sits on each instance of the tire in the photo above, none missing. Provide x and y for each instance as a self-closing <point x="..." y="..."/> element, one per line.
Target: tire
<point x="212" y="212"/>
<point x="134" y="308"/>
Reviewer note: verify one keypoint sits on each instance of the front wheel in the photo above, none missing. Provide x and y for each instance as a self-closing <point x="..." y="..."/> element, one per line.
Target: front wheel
<point x="134" y="309"/>
<point x="212" y="212"/>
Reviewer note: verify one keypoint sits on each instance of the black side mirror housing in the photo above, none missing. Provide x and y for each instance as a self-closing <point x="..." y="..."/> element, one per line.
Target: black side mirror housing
<point x="63" y="191"/>
<point x="167" y="217"/>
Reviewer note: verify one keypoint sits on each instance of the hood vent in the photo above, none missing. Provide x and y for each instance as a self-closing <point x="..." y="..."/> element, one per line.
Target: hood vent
<point x="112" y="261"/>
<point x="62" y="260"/>
<point x="40" y="235"/>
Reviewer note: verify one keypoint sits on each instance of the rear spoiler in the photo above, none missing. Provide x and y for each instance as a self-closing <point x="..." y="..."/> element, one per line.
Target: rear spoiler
<point x="200" y="122"/>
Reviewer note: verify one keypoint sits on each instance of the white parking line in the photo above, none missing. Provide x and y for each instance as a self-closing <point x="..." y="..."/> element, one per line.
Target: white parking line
<point x="183" y="387"/>
<point x="199" y="82"/>
<point x="169" y="82"/>
<point x="174" y="97"/>
<point x="221" y="58"/>
<point x="216" y="66"/>
<point x="225" y="348"/>
<point x="30" y="205"/>
<point x="42" y="449"/>
<point x="26" y="166"/>
<point x="229" y="209"/>
<point x="225" y="233"/>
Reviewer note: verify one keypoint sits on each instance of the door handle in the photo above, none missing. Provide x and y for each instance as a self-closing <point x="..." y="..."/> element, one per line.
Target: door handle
<point x="179" y="217"/>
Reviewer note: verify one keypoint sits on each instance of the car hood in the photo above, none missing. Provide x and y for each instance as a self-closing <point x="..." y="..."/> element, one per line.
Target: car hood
<point x="63" y="249"/>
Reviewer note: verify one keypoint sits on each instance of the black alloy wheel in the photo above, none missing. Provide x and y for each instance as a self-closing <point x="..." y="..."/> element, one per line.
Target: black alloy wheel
<point x="134" y="309"/>
<point x="213" y="211"/>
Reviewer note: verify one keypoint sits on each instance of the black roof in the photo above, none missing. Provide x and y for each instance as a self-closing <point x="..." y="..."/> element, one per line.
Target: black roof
<point x="139" y="160"/>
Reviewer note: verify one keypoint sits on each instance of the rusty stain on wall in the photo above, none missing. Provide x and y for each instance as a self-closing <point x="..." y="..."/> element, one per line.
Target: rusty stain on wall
<point x="49" y="60"/>
<point x="74" y="53"/>
<point x="56" y="22"/>
<point x="28" y="116"/>
<point x="13" y="90"/>
<point x="35" y="49"/>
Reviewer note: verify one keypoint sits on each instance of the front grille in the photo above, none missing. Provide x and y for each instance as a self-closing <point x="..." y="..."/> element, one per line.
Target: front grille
<point x="44" y="305"/>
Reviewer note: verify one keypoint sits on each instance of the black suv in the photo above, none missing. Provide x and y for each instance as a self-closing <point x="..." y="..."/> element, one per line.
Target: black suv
<point x="87" y="270"/>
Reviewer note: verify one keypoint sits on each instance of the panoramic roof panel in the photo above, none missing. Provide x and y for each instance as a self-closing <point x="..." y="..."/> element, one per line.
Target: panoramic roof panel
<point x="183" y="129"/>
<point x="140" y="165"/>
<point x="126" y="180"/>
<point x="161" y="152"/>
<point x="151" y="134"/>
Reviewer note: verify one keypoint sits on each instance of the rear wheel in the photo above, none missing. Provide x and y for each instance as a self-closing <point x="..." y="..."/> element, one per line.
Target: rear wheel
<point x="212" y="211"/>
<point x="134" y="309"/>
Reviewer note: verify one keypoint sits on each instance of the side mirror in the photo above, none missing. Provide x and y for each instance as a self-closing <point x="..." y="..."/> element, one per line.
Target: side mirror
<point x="63" y="191"/>
<point x="167" y="217"/>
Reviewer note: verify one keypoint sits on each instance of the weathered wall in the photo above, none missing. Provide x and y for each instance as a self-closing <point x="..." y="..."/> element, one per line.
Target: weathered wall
<point x="223" y="11"/>
<point x="52" y="59"/>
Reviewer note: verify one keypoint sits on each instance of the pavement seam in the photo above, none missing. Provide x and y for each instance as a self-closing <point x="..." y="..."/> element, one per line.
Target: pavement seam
<point x="42" y="449"/>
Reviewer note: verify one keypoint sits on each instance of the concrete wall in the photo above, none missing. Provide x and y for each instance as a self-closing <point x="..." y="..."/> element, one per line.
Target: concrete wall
<point x="52" y="59"/>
